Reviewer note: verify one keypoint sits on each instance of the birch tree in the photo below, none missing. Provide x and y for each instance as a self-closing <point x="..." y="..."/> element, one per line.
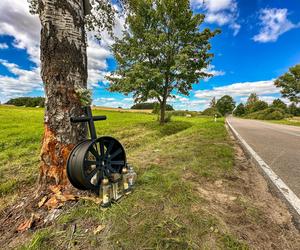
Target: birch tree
<point x="64" y="74"/>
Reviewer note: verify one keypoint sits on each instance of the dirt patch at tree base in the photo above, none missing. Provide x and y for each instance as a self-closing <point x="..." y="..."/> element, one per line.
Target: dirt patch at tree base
<point x="245" y="205"/>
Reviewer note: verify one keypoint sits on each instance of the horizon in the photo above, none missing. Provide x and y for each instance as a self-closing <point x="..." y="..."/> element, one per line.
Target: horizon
<point x="259" y="42"/>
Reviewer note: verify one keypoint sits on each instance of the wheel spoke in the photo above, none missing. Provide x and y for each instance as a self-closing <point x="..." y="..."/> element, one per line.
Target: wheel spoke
<point x="116" y="153"/>
<point x="90" y="163"/>
<point x="92" y="174"/>
<point x="110" y="146"/>
<point x="101" y="148"/>
<point x="94" y="152"/>
<point x="112" y="170"/>
<point x="117" y="163"/>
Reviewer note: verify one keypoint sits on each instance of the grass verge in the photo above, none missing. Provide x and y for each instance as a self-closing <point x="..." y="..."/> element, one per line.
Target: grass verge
<point x="169" y="208"/>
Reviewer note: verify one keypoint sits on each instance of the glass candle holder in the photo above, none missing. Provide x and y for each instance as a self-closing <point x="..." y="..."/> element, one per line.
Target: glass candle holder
<point x="105" y="193"/>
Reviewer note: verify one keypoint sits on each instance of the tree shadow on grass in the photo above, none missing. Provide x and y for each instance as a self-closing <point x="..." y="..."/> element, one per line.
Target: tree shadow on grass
<point x="167" y="129"/>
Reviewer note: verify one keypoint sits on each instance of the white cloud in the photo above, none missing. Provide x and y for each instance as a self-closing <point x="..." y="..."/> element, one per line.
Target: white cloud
<point x="266" y="91"/>
<point x="186" y="103"/>
<point x="214" y="5"/>
<point x="3" y="46"/>
<point x="274" y="22"/>
<point x="211" y="70"/>
<point x="113" y="102"/>
<point x="23" y="82"/>
<point x="105" y="99"/>
<point x="240" y="90"/>
<point x="17" y="22"/>
<point x="267" y="99"/>
<point x="221" y="12"/>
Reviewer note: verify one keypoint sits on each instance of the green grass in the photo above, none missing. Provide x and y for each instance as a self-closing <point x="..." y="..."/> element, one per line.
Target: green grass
<point x="160" y="213"/>
<point x="291" y="121"/>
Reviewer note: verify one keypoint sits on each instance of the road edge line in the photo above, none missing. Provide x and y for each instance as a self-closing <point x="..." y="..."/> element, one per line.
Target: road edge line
<point x="290" y="197"/>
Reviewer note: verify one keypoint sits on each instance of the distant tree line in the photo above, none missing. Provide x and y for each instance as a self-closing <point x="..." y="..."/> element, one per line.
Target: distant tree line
<point x="258" y="109"/>
<point x="289" y="85"/>
<point x="27" y="101"/>
<point x="151" y="106"/>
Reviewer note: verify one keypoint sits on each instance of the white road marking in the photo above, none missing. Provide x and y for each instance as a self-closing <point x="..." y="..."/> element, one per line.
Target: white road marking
<point x="288" y="194"/>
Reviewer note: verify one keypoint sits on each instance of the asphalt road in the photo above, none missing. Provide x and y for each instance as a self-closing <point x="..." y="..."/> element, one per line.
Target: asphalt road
<point x="278" y="145"/>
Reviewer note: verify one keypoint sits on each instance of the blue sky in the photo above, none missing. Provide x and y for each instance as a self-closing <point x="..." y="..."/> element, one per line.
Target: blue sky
<point x="259" y="42"/>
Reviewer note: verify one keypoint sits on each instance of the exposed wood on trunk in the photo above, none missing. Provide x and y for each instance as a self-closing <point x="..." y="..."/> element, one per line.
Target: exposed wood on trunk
<point x="64" y="69"/>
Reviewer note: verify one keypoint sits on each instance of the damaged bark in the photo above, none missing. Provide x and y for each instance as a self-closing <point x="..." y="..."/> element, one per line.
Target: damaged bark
<point x="63" y="71"/>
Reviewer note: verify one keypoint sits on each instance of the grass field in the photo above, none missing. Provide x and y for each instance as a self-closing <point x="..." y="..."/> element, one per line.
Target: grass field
<point x="165" y="211"/>
<point x="290" y="121"/>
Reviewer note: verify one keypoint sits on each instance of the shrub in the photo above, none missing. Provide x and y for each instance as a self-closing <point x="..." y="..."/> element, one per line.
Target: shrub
<point x="168" y="117"/>
<point x="256" y="106"/>
<point x="294" y="110"/>
<point x="240" y="110"/>
<point x="185" y="113"/>
<point x="27" y="101"/>
<point x="150" y="105"/>
<point x="268" y="114"/>
<point x="211" y="112"/>
<point x="275" y="115"/>
<point x="277" y="103"/>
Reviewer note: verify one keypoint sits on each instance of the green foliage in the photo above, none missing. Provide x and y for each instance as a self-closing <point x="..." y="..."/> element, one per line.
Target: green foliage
<point x="256" y="106"/>
<point x="27" y="101"/>
<point x="85" y="96"/>
<point x="233" y="244"/>
<point x="150" y="105"/>
<point x="225" y="105"/>
<point x="290" y="84"/>
<point x="277" y="103"/>
<point x="40" y="240"/>
<point x="294" y="110"/>
<point x="211" y="112"/>
<point x="163" y="51"/>
<point x="185" y="113"/>
<point x="239" y="110"/>
<point x="252" y="99"/>
<point x="213" y="103"/>
<point x="168" y="116"/>
<point x="253" y="104"/>
<point x="268" y="114"/>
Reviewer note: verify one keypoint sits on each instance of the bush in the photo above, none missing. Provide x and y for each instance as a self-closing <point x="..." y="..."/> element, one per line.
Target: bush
<point x="240" y="110"/>
<point x="268" y="114"/>
<point x="27" y="101"/>
<point x="211" y="112"/>
<point x="275" y="115"/>
<point x="168" y="117"/>
<point x="185" y="113"/>
<point x="277" y="103"/>
<point x="294" y="110"/>
<point x="256" y="106"/>
<point x="150" y="105"/>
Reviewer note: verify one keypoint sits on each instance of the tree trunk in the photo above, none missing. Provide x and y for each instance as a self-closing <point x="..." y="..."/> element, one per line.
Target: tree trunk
<point x="162" y="111"/>
<point x="63" y="70"/>
<point x="163" y="104"/>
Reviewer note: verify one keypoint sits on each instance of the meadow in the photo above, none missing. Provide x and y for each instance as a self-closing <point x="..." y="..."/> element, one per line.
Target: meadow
<point x="190" y="193"/>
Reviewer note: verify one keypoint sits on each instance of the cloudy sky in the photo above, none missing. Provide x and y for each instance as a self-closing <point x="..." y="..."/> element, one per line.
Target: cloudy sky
<point x="259" y="42"/>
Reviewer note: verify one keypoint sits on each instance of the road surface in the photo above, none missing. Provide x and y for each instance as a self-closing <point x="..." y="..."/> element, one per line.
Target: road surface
<point x="278" y="145"/>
